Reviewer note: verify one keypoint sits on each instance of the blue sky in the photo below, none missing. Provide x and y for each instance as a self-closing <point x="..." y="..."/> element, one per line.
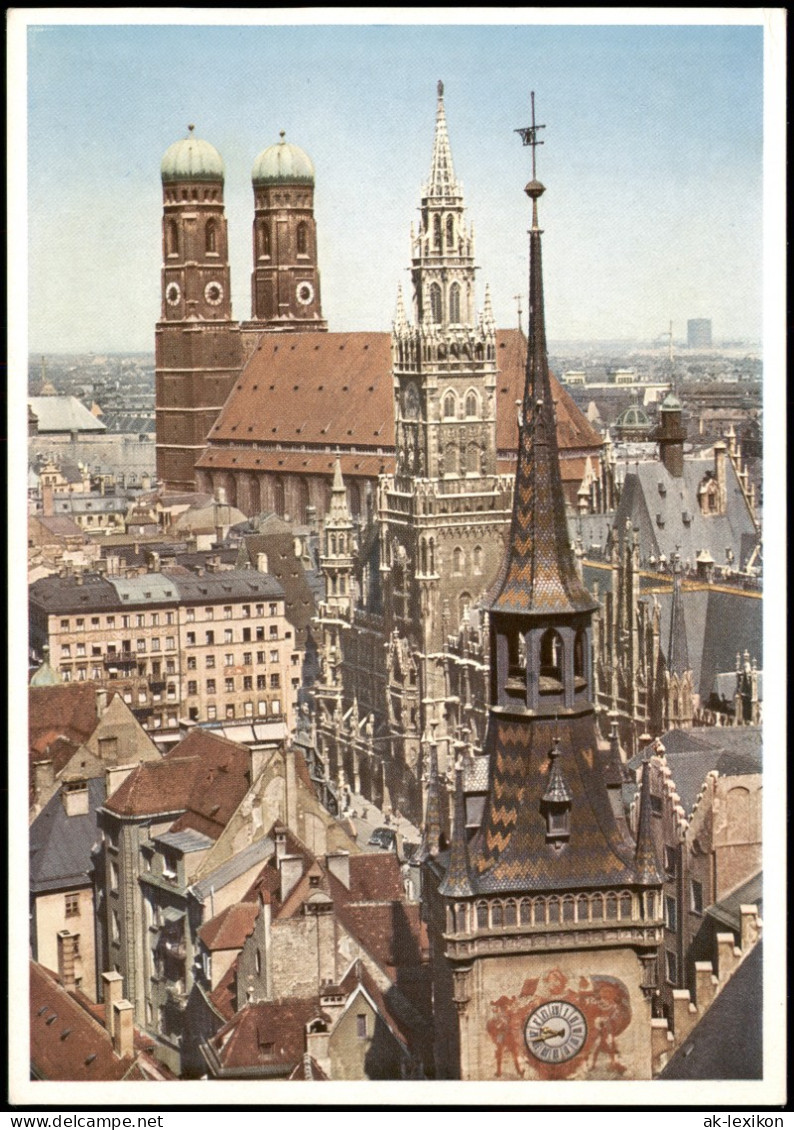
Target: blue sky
<point x="652" y="162"/>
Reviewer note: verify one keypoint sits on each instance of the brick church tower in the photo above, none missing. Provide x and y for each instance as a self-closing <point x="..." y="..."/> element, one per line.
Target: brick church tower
<point x="285" y="283"/>
<point x="444" y="512"/>
<point x="544" y="914"/>
<point x="197" y="344"/>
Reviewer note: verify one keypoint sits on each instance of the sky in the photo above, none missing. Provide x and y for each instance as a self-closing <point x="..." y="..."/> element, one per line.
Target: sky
<point x="652" y="161"/>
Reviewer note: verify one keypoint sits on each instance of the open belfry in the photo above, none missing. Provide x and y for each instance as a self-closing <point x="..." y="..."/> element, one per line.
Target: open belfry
<point x="544" y="913"/>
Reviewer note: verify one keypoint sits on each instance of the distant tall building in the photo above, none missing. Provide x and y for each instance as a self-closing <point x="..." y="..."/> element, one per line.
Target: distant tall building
<point x="698" y="333"/>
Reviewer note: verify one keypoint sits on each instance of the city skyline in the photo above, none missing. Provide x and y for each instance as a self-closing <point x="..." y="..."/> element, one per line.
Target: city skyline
<point x="665" y="121"/>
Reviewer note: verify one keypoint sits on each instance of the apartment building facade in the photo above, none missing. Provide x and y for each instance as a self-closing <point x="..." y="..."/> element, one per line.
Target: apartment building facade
<point x="178" y="646"/>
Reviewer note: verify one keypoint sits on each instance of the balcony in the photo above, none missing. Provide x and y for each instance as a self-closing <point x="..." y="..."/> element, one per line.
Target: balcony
<point x="123" y="659"/>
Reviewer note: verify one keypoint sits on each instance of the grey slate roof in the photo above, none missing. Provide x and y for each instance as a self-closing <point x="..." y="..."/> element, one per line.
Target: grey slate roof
<point x="254" y="853"/>
<point x="642" y="501"/>
<point x="727" y="912"/>
<point x="728" y="1042"/>
<point x="692" y="754"/>
<point x="60" y="845"/>
<point x="185" y="841"/>
<point x="65" y="594"/>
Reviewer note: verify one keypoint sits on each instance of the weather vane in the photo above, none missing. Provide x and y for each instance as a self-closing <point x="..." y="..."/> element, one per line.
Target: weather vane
<point x="529" y="135"/>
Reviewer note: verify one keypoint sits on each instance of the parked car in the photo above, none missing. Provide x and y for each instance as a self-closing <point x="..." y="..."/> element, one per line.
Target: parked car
<point x="382" y="838"/>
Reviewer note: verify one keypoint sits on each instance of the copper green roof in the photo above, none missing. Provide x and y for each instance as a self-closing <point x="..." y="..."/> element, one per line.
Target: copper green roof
<point x="283" y="163"/>
<point x="191" y="159"/>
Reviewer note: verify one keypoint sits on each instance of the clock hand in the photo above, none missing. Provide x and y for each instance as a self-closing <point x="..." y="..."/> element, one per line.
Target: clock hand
<point x="547" y="1034"/>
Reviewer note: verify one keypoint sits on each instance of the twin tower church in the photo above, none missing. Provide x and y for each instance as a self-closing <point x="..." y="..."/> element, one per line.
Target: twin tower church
<point x="543" y="909"/>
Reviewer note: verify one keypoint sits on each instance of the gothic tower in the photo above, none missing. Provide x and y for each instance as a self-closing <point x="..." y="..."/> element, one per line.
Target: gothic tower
<point x="197" y="344"/>
<point x="285" y="283"/>
<point x="442" y="514"/>
<point x="544" y="922"/>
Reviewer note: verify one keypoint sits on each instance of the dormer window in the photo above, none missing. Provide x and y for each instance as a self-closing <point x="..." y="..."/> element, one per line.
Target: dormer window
<point x="556" y="802"/>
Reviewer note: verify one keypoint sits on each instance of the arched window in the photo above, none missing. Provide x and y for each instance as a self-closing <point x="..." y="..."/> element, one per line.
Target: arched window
<point x="477" y="559"/>
<point x="450" y="235"/>
<point x="482" y="915"/>
<point x="460" y="919"/>
<point x="579" y="646"/>
<point x="264" y="239"/>
<point x="278" y="497"/>
<point x="473" y="458"/>
<point x="454" y="303"/>
<point x="303" y="238"/>
<point x="567" y="908"/>
<point x="437" y="233"/>
<point x="464" y="604"/>
<point x="303" y="499"/>
<point x="451" y="459"/>
<point x="511" y="913"/>
<point x="172" y="238"/>
<point x="211" y="237"/>
<point x="612" y="906"/>
<point x="551" y="654"/>
<point x="554" y="909"/>
<point x="581" y="908"/>
<point x="472" y="404"/>
<point x="525" y="912"/>
<point x="450" y="406"/>
<point x="539" y="912"/>
<point x="597" y="908"/>
<point x="435" y="302"/>
<point x="457" y="560"/>
<point x="497" y="914"/>
<point x="625" y="905"/>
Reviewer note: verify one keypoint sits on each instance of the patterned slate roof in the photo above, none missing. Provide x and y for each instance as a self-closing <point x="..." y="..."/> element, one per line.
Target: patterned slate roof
<point x="538" y="574"/>
<point x="510" y="851"/>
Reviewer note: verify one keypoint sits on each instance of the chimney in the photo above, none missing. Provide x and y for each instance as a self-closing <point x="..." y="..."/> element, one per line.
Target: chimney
<point x="112" y="988"/>
<point x="290" y="869"/>
<point x="43" y="777"/>
<point x="280" y="836"/>
<point x="74" y="796"/>
<point x="114" y="776"/>
<point x="338" y="863"/>
<point x="101" y="701"/>
<point x="123" y="1030"/>
<point x="67" y="959"/>
<point x="262" y="563"/>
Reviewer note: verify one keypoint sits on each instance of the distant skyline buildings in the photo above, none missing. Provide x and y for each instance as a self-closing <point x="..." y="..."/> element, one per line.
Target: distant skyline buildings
<point x="652" y="160"/>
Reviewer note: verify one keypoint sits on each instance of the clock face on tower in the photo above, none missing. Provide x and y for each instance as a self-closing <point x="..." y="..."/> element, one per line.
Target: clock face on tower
<point x="172" y="293"/>
<point x="213" y="292"/>
<point x="555" y="1031"/>
<point x="304" y="292"/>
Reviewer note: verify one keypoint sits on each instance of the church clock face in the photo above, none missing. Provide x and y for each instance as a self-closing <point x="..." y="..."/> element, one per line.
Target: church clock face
<point x="213" y="292"/>
<point x="555" y="1032"/>
<point x="304" y="293"/>
<point x="172" y="293"/>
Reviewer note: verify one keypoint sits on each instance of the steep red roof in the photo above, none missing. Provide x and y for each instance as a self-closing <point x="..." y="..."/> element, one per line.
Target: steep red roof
<point x="205" y="777"/>
<point x="267" y="1034"/>
<point x="335" y="391"/>
<point x="68" y="1043"/>
<point x="67" y="711"/>
<point x="229" y="929"/>
<point x="375" y="877"/>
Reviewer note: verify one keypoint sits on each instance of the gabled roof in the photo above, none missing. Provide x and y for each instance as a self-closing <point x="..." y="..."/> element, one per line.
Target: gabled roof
<point x="268" y="1035"/>
<point x="692" y="754"/>
<point x="63" y="414"/>
<point x="229" y="929"/>
<point x="335" y="390"/>
<point x="60" y="845"/>
<point x="727" y="912"/>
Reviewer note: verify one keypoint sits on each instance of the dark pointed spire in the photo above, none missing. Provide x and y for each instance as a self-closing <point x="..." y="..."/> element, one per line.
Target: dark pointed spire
<point x="677" y="651"/>
<point x="645" y="861"/>
<point x="431" y="833"/>
<point x="457" y="881"/>
<point x="539" y="573"/>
